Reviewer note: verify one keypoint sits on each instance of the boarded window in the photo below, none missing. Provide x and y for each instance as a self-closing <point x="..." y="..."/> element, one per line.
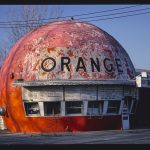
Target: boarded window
<point x="52" y="108"/>
<point x="110" y="92"/>
<point x="77" y="93"/>
<point x="113" y="106"/>
<point x="32" y="108"/>
<point x="74" y="107"/>
<point x="54" y="93"/>
<point x="95" y="107"/>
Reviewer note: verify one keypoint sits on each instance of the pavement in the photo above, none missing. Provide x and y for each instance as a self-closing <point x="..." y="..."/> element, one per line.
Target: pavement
<point x="136" y="136"/>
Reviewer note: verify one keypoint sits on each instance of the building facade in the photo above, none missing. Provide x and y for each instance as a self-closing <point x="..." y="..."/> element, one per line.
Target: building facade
<point x="67" y="76"/>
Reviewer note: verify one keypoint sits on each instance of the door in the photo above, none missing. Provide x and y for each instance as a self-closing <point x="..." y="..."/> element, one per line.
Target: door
<point x="125" y="118"/>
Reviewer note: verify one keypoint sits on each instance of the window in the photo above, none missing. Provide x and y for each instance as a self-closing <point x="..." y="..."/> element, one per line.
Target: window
<point x="52" y="108"/>
<point x="32" y="108"/>
<point x="74" y="107"/>
<point x="95" y="107"/>
<point x="113" y="106"/>
<point x="127" y="102"/>
<point x="125" y="117"/>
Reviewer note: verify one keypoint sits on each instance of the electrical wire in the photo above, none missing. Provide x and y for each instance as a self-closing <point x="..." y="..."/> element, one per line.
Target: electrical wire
<point x="77" y="15"/>
<point x="23" y="25"/>
<point x="116" y="13"/>
<point x="120" y="16"/>
<point x="89" y="17"/>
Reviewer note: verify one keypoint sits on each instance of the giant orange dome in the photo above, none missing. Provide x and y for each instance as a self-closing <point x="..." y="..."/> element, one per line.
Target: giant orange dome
<point x="62" y="50"/>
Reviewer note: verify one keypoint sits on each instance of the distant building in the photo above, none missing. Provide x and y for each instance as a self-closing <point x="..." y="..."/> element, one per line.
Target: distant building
<point x="141" y="118"/>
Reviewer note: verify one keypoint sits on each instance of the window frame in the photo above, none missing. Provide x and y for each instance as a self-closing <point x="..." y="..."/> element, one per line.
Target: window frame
<point x="100" y="108"/>
<point x="48" y="115"/>
<point x="74" y="114"/>
<point x="113" y="107"/>
<point x="26" y="109"/>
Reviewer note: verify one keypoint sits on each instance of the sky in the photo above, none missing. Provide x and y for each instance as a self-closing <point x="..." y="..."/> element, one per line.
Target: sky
<point x="133" y="33"/>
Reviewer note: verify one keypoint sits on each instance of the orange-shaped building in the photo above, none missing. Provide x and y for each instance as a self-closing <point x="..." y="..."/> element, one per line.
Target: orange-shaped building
<point x="67" y="76"/>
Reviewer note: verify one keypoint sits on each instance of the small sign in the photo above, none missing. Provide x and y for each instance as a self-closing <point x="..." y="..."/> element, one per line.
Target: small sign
<point x="143" y="81"/>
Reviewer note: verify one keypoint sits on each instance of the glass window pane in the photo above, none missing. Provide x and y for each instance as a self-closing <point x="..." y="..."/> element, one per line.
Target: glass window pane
<point x="95" y="107"/>
<point x="113" y="106"/>
<point x="32" y="108"/>
<point x="51" y="108"/>
<point x="127" y="102"/>
<point x="73" y="107"/>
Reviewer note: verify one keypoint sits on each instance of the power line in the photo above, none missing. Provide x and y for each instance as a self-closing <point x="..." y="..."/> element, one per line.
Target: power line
<point x="77" y="15"/>
<point x="120" y="17"/>
<point x="96" y="19"/>
<point x="116" y="13"/>
<point x="26" y="25"/>
<point x="86" y="20"/>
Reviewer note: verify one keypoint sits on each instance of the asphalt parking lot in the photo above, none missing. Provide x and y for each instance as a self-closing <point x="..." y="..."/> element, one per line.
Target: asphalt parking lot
<point x="138" y="136"/>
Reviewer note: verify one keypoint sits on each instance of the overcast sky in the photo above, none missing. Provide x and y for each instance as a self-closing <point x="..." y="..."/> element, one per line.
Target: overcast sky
<point x="133" y="33"/>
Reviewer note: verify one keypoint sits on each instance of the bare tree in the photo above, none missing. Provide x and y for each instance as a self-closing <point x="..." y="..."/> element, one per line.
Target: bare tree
<point x="3" y="53"/>
<point x="25" y="20"/>
<point x="32" y="16"/>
